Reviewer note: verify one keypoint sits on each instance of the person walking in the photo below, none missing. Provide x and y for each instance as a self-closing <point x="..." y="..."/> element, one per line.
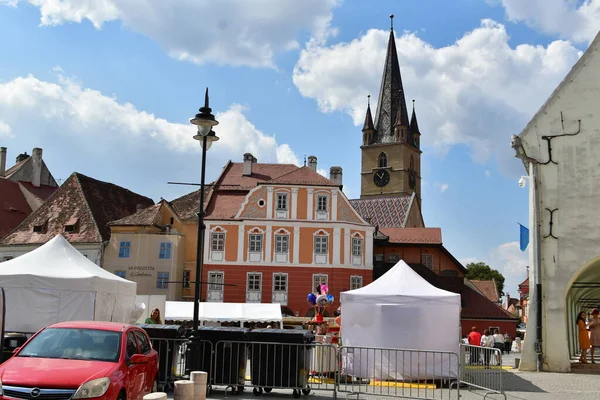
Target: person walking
<point x="594" y="326"/>
<point x="498" y="345"/>
<point x="584" y="337"/>
<point x="487" y="341"/>
<point x="474" y="339"/>
<point x="507" y="343"/>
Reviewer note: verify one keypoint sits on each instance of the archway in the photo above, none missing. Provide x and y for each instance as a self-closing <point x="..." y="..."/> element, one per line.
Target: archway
<point x="583" y="295"/>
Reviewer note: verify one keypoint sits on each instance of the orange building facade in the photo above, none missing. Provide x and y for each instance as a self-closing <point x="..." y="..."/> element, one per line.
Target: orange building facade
<point x="273" y="233"/>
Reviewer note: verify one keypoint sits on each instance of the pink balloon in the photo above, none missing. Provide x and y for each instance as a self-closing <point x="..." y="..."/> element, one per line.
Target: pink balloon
<point x="324" y="289"/>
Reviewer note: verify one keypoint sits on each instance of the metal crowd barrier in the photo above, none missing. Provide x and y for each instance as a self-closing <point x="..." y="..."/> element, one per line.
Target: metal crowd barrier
<point x="355" y="371"/>
<point x="482" y="369"/>
<point x="402" y="373"/>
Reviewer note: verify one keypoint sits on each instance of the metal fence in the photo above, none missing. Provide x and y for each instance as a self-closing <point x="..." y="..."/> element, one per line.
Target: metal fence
<point x="482" y="369"/>
<point x="403" y="373"/>
<point x="354" y="371"/>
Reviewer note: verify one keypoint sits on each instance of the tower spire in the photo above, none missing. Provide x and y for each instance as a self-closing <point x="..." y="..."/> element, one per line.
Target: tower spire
<point x="414" y="127"/>
<point x="368" y="117"/>
<point x="391" y="95"/>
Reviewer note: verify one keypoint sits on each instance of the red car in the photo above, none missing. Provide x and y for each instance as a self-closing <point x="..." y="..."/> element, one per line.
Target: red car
<point x="82" y="360"/>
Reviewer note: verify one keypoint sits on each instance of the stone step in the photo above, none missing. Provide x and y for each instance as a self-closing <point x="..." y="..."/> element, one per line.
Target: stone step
<point x="591" y="369"/>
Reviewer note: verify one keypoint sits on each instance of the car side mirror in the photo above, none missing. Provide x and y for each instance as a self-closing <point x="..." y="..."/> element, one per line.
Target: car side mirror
<point x="138" y="359"/>
<point x="15" y="351"/>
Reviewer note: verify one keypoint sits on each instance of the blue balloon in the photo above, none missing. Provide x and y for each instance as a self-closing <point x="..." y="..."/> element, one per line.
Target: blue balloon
<point x="330" y="298"/>
<point x="312" y="299"/>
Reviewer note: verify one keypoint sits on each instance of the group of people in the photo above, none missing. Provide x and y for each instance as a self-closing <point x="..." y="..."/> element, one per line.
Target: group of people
<point x="491" y="339"/>
<point x="589" y="334"/>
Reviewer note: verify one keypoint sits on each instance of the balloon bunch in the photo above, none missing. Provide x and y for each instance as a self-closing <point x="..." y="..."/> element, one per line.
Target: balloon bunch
<point x="321" y="299"/>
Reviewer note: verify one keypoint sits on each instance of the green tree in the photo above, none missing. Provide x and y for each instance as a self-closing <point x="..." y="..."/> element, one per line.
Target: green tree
<point x="482" y="272"/>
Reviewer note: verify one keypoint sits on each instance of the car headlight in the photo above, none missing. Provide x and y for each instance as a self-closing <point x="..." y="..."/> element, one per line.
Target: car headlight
<point x="91" y="389"/>
<point x="1" y="391"/>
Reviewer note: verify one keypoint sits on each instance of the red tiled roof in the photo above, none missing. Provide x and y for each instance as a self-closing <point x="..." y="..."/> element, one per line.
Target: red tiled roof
<point x="303" y="176"/>
<point x="488" y="289"/>
<point x="260" y="173"/>
<point x="13" y="206"/>
<point x="525" y="282"/>
<point x="92" y="202"/>
<point x="42" y="192"/>
<point x="385" y="212"/>
<point x="413" y="235"/>
<point x="225" y="204"/>
<point x="480" y="307"/>
<point x="147" y="216"/>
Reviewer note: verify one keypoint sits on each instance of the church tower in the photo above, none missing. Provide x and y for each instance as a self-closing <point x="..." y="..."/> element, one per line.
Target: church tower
<point x="391" y="155"/>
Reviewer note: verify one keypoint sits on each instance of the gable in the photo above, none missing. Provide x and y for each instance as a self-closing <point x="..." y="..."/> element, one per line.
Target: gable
<point x="346" y="213"/>
<point x="251" y="208"/>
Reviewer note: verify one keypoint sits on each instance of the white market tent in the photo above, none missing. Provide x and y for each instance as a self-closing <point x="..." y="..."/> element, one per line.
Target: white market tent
<point x="224" y="312"/>
<point x="401" y="310"/>
<point x="56" y="283"/>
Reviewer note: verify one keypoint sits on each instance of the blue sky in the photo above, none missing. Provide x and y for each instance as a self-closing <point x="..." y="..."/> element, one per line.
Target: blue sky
<point x="106" y="88"/>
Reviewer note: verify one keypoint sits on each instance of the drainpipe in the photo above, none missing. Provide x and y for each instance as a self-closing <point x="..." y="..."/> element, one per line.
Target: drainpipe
<point x="533" y="169"/>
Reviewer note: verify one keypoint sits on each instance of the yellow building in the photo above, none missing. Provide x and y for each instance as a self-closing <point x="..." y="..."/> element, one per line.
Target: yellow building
<point x="148" y="248"/>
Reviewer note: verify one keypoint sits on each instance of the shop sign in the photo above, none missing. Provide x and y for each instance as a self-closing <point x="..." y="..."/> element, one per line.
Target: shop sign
<point x="140" y="271"/>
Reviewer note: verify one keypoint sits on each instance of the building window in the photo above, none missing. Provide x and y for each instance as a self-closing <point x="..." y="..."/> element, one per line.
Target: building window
<point x="356" y="282"/>
<point x="215" y="281"/>
<point x="322" y="203"/>
<point x="280" y="282"/>
<point x="121" y="274"/>
<point x="165" y="251"/>
<point x="321" y="244"/>
<point x="162" y="280"/>
<point x="282" y="201"/>
<point x="282" y="243"/>
<point x="217" y="242"/>
<point x="186" y="278"/>
<point x="357" y="247"/>
<point x="124" y="248"/>
<point x="256" y="243"/>
<point x="382" y="160"/>
<point x="427" y="260"/>
<point x="319" y="279"/>
<point x="379" y="257"/>
<point x="254" y="281"/>
<point x="393" y="258"/>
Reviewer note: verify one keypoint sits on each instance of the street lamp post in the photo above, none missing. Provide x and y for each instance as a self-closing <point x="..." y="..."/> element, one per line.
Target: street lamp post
<point x="204" y="120"/>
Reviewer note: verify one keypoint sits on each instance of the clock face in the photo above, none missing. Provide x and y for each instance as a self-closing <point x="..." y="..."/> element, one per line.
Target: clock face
<point x="381" y="177"/>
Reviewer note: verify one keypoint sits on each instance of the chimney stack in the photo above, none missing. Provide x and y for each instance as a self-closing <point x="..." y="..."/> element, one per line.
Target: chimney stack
<point x="312" y="163"/>
<point x="36" y="167"/>
<point x="249" y="159"/>
<point x="2" y="161"/>
<point x="22" y="157"/>
<point x="335" y="175"/>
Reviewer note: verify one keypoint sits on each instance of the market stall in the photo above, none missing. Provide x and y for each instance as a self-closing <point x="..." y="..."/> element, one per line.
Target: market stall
<point x="225" y="312"/>
<point x="400" y="310"/>
<point x="56" y="283"/>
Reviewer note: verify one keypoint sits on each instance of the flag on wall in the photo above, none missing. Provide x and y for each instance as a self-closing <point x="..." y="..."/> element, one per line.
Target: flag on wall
<point x="523" y="237"/>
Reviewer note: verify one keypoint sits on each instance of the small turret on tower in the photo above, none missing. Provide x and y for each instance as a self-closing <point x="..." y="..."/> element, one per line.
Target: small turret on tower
<point x="368" y="128"/>
<point x="415" y="134"/>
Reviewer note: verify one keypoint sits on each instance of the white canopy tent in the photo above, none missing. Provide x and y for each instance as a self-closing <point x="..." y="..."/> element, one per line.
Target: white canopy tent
<point x="224" y="312"/>
<point x="401" y="310"/>
<point x="56" y="283"/>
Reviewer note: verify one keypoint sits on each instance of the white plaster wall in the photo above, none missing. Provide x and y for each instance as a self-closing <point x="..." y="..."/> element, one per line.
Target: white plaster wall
<point x="572" y="186"/>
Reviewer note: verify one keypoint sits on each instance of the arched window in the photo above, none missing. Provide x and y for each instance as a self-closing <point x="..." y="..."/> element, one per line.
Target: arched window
<point x="382" y="160"/>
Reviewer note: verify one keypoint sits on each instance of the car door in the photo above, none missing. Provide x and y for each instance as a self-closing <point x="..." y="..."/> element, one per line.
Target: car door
<point x="135" y="372"/>
<point x="150" y="369"/>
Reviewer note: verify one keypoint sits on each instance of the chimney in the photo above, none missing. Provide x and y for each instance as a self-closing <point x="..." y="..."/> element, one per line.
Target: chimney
<point x="312" y="163"/>
<point x="2" y="161"/>
<point x="249" y="159"/>
<point x="22" y="157"/>
<point x="36" y="167"/>
<point x="335" y="175"/>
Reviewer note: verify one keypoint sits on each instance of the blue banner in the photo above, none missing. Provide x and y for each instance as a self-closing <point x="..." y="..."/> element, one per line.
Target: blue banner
<point x="524" y="237"/>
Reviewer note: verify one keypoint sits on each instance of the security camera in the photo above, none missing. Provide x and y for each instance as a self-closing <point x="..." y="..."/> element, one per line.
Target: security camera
<point x="522" y="182"/>
<point x="515" y="142"/>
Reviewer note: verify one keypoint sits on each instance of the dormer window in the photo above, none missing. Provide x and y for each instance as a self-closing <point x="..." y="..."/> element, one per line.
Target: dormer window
<point x="40" y="227"/>
<point x="71" y="225"/>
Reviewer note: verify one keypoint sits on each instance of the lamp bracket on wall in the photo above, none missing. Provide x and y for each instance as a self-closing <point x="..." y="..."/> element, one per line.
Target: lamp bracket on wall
<point x="550" y="234"/>
<point x="548" y="139"/>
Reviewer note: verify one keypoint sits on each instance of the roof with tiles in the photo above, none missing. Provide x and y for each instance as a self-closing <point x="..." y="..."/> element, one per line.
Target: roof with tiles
<point x="232" y="174"/>
<point x="303" y="176"/>
<point x="13" y="206"/>
<point x="478" y="306"/>
<point x="145" y="217"/>
<point x="413" y="235"/>
<point x="488" y="289"/>
<point x="384" y="212"/>
<point x="86" y="203"/>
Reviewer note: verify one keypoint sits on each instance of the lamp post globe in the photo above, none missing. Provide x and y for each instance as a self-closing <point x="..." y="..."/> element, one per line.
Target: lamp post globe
<point x="205" y="121"/>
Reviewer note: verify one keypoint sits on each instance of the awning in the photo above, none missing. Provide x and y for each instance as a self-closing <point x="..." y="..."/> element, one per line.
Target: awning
<point x="224" y="312"/>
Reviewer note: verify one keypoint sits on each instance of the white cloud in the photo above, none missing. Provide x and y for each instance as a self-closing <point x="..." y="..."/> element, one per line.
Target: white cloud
<point x="477" y="92"/>
<point x="323" y="172"/>
<point x="5" y="130"/>
<point x="64" y="110"/>
<point x="575" y="20"/>
<point x="488" y="173"/>
<point x="512" y="263"/>
<point x="443" y="187"/>
<point x="232" y="32"/>
<point x="468" y="260"/>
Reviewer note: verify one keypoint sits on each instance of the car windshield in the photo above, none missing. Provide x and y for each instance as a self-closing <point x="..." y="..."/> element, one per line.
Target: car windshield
<point x="74" y="344"/>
